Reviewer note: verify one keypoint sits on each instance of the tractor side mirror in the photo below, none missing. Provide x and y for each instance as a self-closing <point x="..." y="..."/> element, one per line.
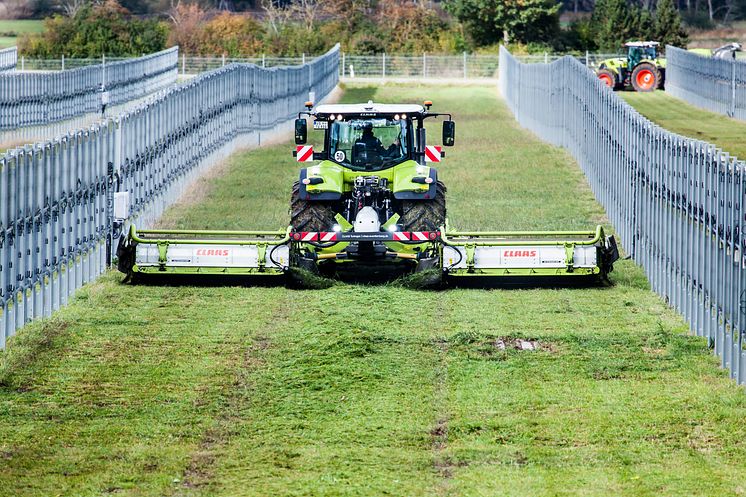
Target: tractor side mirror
<point x="449" y="133"/>
<point x="301" y="131"/>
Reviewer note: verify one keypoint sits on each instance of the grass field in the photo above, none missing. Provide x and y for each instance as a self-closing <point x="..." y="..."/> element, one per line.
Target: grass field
<point x="687" y="120"/>
<point x="10" y="30"/>
<point x="374" y="390"/>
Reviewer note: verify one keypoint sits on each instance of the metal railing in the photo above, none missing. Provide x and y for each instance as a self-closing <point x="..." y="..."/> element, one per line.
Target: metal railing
<point x="676" y="202"/>
<point x="424" y="65"/>
<point x="57" y="227"/>
<point x="716" y="85"/>
<point x="8" y="58"/>
<point x="28" y="98"/>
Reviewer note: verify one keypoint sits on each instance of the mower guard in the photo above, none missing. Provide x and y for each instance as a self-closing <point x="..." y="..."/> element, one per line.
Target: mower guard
<point x="528" y="253"/>
<point x="204" y="252"/>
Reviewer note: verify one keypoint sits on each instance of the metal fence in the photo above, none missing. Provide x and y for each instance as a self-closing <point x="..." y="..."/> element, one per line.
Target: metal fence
<point x="28" y="99"/>
<point x="714" y="84"/>
<point x="430" y="66"/>
<point x="8" y="58"/>
<point x="57" y="228"/>
<point x="677" y="203"/>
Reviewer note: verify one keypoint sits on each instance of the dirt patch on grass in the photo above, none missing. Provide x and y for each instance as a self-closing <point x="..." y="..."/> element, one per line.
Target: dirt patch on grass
<point x="442" y="463"/>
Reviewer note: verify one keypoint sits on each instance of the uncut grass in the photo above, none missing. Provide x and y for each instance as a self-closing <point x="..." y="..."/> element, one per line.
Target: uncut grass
<point x="374" y="390"/>
<point x="687" y="120"/>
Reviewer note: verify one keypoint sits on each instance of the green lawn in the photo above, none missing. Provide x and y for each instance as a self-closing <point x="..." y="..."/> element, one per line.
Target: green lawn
<point x="687" y="120"/>
<point x="10" y="30"/>
<point x="363" y="390"/>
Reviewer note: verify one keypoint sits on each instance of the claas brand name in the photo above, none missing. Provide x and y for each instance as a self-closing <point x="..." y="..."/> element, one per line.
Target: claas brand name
<point x="222" y="252"/>
<point x="519" y="253"/>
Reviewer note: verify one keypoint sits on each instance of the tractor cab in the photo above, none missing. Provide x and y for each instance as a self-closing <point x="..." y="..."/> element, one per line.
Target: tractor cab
<point x="372" y="136"/>
<point x="637" y="51"/>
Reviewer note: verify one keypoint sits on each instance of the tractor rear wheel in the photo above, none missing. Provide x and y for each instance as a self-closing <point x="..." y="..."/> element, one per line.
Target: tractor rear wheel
<point x="608" y="78"/>
<point x="309" y="216"/>
<point x="425" y="215"/>
<point x="645" y="77"/>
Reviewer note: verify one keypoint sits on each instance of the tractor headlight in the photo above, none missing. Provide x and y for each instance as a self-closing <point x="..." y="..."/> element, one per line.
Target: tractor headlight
<point x="336" y="228"/>
<point x="393" y="228"/>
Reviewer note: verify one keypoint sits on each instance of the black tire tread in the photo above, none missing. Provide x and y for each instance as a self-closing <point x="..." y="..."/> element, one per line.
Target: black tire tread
<point x="309" y="216"/>
<point x="424" y="215"/>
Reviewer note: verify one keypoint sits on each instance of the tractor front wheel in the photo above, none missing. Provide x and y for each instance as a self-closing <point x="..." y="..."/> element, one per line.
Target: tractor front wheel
<point x="607" y="77"/>
<point x="646" y="77"/>
<point x="425" y="215"/>
<point x="306" y="215"/>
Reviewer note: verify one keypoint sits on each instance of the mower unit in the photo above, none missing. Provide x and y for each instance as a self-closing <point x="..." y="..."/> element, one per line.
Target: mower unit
<point x="369" y="203"/>
<point x="642" y="69"/>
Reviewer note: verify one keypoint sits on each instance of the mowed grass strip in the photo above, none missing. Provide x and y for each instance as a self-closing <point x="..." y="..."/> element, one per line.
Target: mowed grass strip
<point x="375" y="390"/>
<point x="680" y="117"/>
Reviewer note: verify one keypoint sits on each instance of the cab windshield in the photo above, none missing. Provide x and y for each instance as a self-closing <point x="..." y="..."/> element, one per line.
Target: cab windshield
<point x="368" y="144"/>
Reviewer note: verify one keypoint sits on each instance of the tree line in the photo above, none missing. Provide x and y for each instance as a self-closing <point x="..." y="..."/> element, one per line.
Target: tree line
<point x="86" y="28"/>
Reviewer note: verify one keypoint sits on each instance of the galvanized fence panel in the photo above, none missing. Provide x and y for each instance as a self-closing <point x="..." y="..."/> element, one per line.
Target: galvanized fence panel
<point x="677" y="203"/>
<point x="8" y="59"/>
<point x="28" y="98"/>
<point x="57" y="230"/>
<point x="717" y="85"/>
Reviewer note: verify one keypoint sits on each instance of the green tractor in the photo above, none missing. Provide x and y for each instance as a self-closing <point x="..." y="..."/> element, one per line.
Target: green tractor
<point x="642" y="69"/>
<point x="369" y="203"/>
<point x="374" y="182"/>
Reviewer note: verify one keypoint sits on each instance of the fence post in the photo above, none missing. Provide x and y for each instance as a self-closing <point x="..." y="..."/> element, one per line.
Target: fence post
<point x="103" y="71"/>
<point x="586" y="59"/>
<point x="383" y="73"/>
<point x="733" y="87"/>
<point x="223" y="60"/>
<point x="303" y="58"/>
<point x="343" y="64"/>
<point x="264" y="60"/>
<point x="464" y="65"/>
<point x="546" y="58"/>
<point x="63" y="62"/>
<point x="424" y="64"/>
<point x="183" y="64"/>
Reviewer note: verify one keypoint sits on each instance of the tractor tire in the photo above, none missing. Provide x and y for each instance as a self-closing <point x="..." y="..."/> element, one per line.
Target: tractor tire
<point x="645" y="77"/>
<point x="608" y="78"/>
<point x="424" y="215"/>
<point x="308" y="215"/>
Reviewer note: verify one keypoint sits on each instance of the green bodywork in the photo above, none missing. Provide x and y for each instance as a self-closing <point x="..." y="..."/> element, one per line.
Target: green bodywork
<point x="339" y="179"/>
<point x="618" y="64"/>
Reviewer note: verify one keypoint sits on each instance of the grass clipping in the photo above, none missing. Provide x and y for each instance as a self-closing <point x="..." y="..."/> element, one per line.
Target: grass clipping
<point x="422" y="280"/>
<point x="303" y="279"/>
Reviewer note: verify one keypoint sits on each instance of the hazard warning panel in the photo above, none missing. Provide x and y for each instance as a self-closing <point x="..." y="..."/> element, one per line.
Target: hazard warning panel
<point x="304" y="153"/>
<point x="432" y="153"/>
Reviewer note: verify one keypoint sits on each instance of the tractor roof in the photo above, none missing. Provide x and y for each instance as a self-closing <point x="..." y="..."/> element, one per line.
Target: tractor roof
<point x="370" y="108"/>
<point x="641" y="44"/>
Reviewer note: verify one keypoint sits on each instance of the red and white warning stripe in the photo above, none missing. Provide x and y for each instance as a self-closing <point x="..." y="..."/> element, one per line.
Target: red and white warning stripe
<point x="304" y="153"/>
<point x="420" y="236"/>
<point x="328" y="236"/>
<point x="401" y="236"/>
<point x="309" y="236"/>
<point x="432" y="153"/>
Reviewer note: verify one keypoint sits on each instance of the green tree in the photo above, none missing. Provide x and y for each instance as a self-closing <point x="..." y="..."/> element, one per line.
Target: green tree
<point x="615" y="23"/>
<point x="106" y="28"/>
<point x="525" y="21"/>
<point x="667" y="27"/>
